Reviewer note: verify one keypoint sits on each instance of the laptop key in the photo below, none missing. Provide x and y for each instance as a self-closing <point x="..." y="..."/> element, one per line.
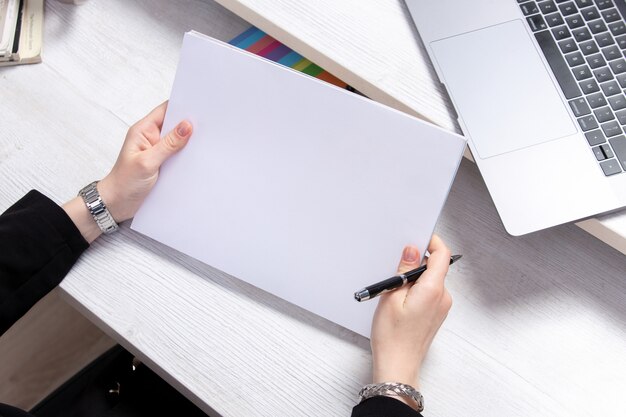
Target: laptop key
<point x="596" y="100"/>
<point x="597" y="151"/>
<point x="621" y="117"/>
<point x="611" y="15"/>
<point x="595" y="137"/>
<point x="547" y="7"/>
<point x="597" y="26"/>
<point x="574" y="21"/>
<point x="589" y="47"/>
<point x="604" y="39"/>
<point x="561" y="32"/>
<point x="584" y="3"/>
<point x="581" y="34"/>
<point x="604" y="114"/>
<point x="617" y="28"/>
<point x="606" y="150"/>
<point x="621" y="79"/>
<point x="612" y="52"/>
<point x="590" y="13"/>
<point x="611" y="129"/>
<point x="554" y="19"/>
<point x="619" y="147"/>
<point x="621" y="41"/>
<point x="618" y="66"/>
<point x="611" y="88"/>
<point x="610" y="167"/>
<point x="588" y="86"/>
<point x="604" y="4"/>
<point x="575" y="59"/>
<point x="536" y="22"/>
<point x="568" y="8"/>
<point x="587" y="123"/>
<point x="529" y="8"/>
<point x="596" y="61"/>
<point x="558" y="65"/>
<point x="580" y="107"/>
<point x="603" y="74"/>
<point x="582" y="73"/>
<point x="617" y="102"/>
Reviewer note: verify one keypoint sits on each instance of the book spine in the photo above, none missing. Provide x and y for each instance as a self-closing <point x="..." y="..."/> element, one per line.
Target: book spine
<point x="18" y="31"/>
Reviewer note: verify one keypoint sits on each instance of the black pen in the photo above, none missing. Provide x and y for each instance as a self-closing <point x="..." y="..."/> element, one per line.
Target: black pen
<point x="392" y="283"/>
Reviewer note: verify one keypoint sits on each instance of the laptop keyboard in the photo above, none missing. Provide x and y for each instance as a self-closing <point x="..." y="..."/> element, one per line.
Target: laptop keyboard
<point x="584" y="42"/>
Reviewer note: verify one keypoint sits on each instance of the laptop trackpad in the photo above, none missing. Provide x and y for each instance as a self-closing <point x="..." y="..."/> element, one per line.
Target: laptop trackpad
<point x="502" y="89"/>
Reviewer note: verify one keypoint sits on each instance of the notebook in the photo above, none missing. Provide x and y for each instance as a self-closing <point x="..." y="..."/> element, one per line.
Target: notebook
<point x="299" y="187"/>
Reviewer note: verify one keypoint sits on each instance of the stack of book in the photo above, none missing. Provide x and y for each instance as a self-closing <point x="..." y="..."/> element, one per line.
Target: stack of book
<point x="21" y="31"/>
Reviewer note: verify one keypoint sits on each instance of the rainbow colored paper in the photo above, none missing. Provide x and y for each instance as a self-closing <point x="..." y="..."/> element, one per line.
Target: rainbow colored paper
<point x="258" y="42"/>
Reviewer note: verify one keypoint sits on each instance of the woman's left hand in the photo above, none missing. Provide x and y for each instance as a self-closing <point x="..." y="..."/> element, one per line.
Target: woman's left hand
<point x="137" y="167"/>
<point x="135" y="172"/>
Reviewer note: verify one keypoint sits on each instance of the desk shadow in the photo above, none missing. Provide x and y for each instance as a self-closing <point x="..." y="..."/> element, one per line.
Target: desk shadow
<point x="250" y="291"/>
<point x="563" y="261"/>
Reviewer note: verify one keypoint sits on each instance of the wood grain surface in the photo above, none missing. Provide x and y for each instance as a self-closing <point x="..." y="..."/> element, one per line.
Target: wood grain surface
<point x="537" y="326"/>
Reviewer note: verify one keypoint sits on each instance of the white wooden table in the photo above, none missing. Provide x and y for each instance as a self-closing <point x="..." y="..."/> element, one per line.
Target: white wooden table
<point x="538" y="322"/>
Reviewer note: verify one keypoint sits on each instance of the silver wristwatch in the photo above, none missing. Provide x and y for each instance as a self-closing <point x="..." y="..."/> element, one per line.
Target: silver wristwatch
<point x="394" y="389"/>
<point x="97" y="208"/>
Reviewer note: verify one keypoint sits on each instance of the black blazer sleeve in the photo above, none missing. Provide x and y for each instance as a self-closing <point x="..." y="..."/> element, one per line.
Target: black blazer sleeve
<point x="383" y="407"/>
<point x="39" y="243"/>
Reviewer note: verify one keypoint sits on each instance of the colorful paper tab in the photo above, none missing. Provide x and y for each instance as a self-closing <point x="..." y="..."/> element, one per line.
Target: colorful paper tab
<point x="258" y="42"/>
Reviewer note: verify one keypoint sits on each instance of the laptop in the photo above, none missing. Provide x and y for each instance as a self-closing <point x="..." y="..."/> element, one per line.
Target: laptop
<point x="539" y="91"/>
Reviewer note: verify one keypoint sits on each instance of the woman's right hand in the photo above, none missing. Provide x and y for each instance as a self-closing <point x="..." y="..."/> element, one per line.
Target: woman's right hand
<point x="407" y="319"/>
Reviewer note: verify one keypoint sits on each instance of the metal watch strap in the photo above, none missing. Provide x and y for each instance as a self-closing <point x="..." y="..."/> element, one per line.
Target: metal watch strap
<point x="97" y="208"/>
<point x="392" y="388"/>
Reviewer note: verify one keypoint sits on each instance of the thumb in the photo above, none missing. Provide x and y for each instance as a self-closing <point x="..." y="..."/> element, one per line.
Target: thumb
<point x="173" y="142"/>
<point x="410" y="259"/>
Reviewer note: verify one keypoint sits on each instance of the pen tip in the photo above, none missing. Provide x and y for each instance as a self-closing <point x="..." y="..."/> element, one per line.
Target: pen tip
<point x="455" y="258"/>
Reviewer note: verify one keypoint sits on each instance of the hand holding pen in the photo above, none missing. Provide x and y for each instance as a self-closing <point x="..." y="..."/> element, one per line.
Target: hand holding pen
<point x="408" y="318"/>
<point x="394" y="282"/>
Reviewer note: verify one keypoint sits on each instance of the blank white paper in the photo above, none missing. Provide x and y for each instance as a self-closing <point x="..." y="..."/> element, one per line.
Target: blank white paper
<point x="305" y="190"/>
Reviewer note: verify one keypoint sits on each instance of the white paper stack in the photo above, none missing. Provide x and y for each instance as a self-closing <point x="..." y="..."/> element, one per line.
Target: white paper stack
<point x="303" y="189"/>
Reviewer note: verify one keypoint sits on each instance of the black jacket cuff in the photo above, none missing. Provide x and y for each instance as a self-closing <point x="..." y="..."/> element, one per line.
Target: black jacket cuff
<point x="383" y="406"/>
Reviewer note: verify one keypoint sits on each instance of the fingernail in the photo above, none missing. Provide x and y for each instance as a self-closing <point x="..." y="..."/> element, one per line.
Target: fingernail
<point x="409" y="254"/>
<point x="183" y="128"/>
